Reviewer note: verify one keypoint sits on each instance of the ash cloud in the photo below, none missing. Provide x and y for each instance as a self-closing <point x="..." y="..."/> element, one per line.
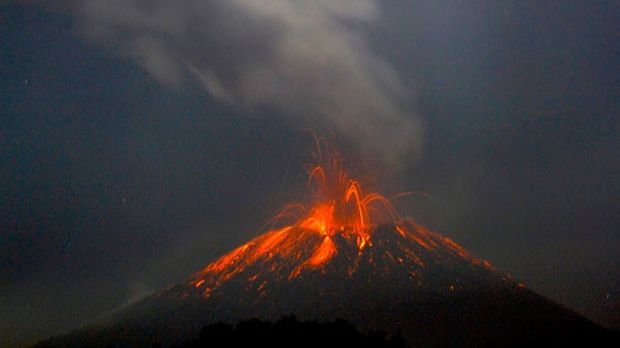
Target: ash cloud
<point x="308" y="60"/>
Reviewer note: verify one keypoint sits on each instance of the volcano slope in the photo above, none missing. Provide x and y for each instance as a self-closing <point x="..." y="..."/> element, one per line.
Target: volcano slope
<point x="400" y="278"/>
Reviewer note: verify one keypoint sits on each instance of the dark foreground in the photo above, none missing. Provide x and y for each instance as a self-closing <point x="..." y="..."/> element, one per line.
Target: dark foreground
<point x="288" y="332"/>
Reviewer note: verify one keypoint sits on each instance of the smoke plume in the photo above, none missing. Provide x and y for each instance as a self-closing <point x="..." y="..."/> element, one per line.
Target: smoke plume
<point x="308" y="60"/>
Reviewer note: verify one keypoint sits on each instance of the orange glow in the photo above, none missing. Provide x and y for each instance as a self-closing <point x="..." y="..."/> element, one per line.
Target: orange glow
<point x="325" y="252"/>
<point x="337" y="211"/>
<point x="401" y="230"/>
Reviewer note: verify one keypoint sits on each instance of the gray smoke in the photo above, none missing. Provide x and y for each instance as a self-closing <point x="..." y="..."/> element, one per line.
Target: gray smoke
<point x="307" y="59"/>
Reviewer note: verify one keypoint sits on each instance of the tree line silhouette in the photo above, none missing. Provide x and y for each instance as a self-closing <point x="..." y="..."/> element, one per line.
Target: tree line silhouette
<point x="289" y="332"/>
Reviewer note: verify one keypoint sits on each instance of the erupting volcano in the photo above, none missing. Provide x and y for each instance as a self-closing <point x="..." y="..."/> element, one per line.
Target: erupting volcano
<point x="344" y="253"/>
<point x="337" y="226"/>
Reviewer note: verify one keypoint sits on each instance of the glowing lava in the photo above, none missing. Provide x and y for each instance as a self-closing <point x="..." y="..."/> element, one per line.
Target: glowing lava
<point x="338" y="209"/>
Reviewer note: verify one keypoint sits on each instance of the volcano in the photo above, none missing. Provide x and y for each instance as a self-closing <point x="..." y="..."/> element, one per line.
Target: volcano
<point x="347" y="254"/>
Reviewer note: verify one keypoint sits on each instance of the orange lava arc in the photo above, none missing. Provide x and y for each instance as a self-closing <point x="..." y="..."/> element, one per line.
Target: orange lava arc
<point x="338" y="203"/>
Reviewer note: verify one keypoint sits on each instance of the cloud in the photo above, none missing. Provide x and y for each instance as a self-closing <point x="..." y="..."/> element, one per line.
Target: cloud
<point x="308" y="60"/>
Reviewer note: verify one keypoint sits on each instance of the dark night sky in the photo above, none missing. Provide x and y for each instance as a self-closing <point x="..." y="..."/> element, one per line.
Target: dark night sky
<point x="116" y="180"/>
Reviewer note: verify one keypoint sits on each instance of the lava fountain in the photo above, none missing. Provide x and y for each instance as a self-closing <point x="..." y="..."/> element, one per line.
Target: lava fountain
<point x="307" y="235"/>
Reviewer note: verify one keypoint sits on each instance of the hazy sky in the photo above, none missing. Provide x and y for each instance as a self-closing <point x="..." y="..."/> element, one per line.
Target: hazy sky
<point x="139" y="140"/>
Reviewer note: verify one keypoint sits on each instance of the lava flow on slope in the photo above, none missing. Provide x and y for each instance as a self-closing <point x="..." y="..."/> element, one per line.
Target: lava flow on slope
<point x="340" y="229"/>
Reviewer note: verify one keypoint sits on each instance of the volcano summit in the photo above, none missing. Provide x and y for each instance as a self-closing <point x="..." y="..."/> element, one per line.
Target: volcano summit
<point x="347" y="254"/>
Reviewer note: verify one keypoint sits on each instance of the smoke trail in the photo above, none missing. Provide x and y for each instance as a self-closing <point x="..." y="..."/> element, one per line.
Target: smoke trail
<point x="307" y="59"/>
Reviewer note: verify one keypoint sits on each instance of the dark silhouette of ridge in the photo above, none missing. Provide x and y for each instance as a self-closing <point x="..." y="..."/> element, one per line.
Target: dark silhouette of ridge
<point x="289" y="332"/>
